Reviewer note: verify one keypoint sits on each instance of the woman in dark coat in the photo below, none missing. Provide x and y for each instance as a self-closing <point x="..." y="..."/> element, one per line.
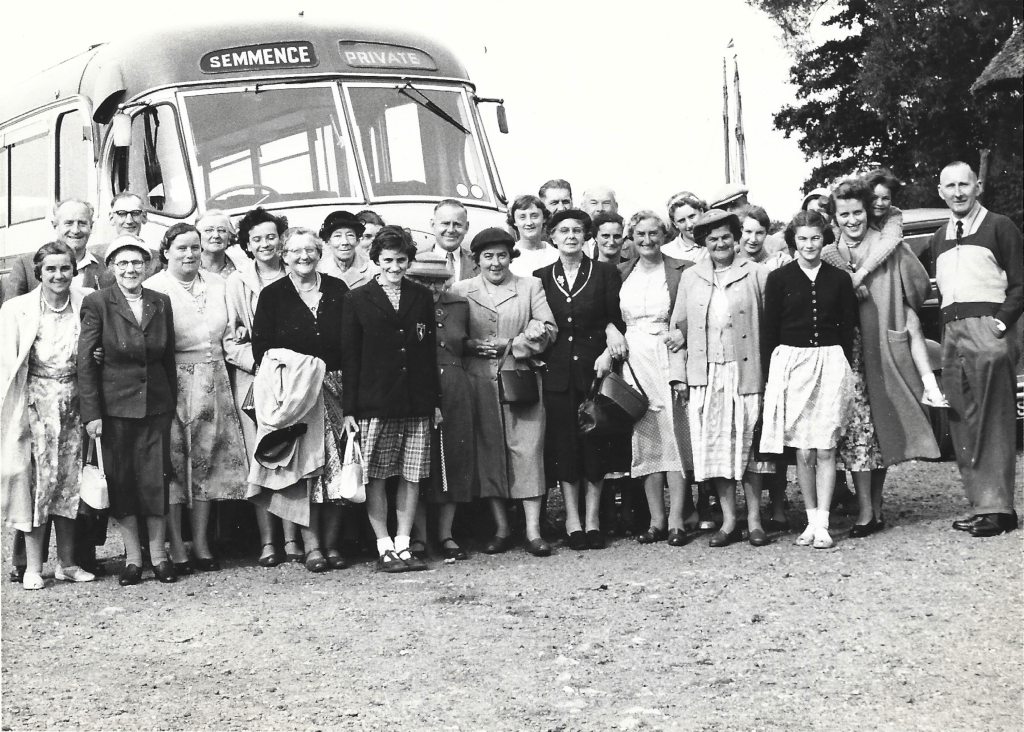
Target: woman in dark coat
<point x="130" y="399"/>
<point x="454" y="482"/>
<point x="302" y="312"/>
<point x="391" y="389"/>
<point x="584" y="298"/>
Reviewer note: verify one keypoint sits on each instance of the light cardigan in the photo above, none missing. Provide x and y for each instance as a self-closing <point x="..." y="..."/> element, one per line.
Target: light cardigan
<point x="200" y="336"/>
<point x="19" y="324"/>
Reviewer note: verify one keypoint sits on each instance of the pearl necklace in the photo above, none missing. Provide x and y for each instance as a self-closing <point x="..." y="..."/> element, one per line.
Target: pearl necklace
<point x="315" y="285"/>
<point x="60" y="309"/>
<point x="189" y="285"/>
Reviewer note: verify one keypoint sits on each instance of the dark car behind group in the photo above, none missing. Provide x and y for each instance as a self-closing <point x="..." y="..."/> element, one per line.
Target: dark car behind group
<point x="918" y="226"/>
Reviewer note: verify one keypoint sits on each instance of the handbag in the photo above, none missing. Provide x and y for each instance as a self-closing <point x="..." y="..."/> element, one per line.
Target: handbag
<point x="351" y="477"/>
<point x="613" y="406"/>
<point x="516" y="387"/>
<point x="94" y="479"/>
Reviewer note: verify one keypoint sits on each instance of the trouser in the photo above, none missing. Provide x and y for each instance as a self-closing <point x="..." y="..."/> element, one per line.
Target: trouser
<point x="980" y="384"/>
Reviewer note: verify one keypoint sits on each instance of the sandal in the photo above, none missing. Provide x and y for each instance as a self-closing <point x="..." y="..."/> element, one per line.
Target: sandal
<point x="452" y="552"/>
<point x="651" y="536"/>
<point x="271" y="559"/>
<point x="295" y="556"/>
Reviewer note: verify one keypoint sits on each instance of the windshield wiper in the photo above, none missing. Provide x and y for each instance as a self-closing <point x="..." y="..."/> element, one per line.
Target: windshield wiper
<point x="425" y="102"/>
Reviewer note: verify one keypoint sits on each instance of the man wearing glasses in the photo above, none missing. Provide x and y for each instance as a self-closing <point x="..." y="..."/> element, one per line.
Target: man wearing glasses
<point x="128" y="216"/>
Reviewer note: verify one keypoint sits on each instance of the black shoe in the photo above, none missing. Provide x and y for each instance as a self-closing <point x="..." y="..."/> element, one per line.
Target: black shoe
<point x="539" y="548"/>
<point x="17" y="574"/>
<point x="966" y="524"/>
<point x="183" y="568"/>
<point x="412" y="562"/>
<point x="770" y="524"/>
<point x="130" y="575"/>
<point x="94" y="568"/>
<point x="720" y="538"/>
<point x="390" y="563"/>
<point x="677" y="537"/>
<point x="316" y="562"/>
<point x="994" y="524"/>
<point x="757" y="537"/>
<point x="652" y="536"/>
<point x="577" y="541"/>
<point x="454" y="551"/>
<point x="595" y="539"/>
<point x="498" y="544"/>
<point x="335" y="559"/>
<point x="273" y="559"/>
<point x="206" y="565"/>
<point x="859" y="531"/>
<point x="418" y="549"/>
<point x="164" y="572"/>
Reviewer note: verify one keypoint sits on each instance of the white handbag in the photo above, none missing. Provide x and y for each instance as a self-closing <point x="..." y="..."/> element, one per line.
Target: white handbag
<point x="94" y="479"/>
<point x="352" y="487"/>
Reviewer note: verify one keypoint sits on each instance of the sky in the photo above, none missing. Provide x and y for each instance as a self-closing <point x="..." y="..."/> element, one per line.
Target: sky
<point x="625" y="94"/>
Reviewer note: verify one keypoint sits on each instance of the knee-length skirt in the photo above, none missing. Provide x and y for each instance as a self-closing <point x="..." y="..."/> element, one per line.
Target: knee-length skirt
<point x="396" y="446"/>
<point x="56" y="428"/>
<point x="722" y="426"/>
<point x="806" y="398"/>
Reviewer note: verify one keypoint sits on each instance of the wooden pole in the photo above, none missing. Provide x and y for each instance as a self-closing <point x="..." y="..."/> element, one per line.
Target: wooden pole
<point x="725" y="120"/>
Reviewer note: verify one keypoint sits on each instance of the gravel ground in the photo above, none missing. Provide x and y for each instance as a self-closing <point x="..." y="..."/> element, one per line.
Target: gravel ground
<point x="916" y="628"/>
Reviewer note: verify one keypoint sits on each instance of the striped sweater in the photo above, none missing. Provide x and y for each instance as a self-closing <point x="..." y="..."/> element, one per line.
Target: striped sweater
<point x="985" y="274"/>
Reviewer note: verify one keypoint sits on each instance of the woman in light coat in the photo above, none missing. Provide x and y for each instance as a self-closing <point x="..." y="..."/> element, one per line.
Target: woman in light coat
<point x="510" y="437"/>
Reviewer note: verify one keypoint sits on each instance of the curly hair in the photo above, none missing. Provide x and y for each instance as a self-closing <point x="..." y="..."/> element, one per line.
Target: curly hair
<point x="521" y="204"/>
<point x="814" y="220"/>
<point x="856" y="189"/>
<point x="883" y="176"/>
<point x="173" y="233"/>
<point x="254" y="218"/>
<point x="394" y="239"/>
<point x="48" y="249"/>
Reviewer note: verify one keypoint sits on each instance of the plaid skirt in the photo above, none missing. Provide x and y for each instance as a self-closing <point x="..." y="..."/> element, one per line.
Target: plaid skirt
<point x="396" y="446"/>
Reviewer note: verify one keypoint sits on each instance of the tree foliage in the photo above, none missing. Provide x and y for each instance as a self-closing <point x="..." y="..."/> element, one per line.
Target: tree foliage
<point x="894" y="90"/>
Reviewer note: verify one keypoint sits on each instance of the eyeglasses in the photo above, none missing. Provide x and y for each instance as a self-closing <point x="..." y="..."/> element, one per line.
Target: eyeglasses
<point x="309" y="252"/>
<point x="133" y="263"/>
<point x="135" y="213"/>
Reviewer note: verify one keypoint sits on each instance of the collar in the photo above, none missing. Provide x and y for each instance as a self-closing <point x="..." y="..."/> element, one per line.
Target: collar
<point x="971" y="221"/>
<point x="582" y="276"/>
<point x="87" y="260"/>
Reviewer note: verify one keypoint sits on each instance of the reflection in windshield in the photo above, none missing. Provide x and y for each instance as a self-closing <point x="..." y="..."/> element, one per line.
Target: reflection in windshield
<point x="410" y="150"/>
<point x="271" y="146"/>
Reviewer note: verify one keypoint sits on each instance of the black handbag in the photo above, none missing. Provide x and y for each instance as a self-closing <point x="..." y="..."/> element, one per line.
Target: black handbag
<point x="614" y="406"/>
<point x="516" y="387"/>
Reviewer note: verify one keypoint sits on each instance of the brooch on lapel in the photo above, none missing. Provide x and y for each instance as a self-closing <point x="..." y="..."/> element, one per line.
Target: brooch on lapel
<point x="421" y="330"/>
<point x="561" y="280"/>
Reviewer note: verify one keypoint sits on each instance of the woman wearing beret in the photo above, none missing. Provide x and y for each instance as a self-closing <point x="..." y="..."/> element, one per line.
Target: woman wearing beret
<point x="504" y="307"/>
<point x="661" y="438"/>
<point x="302" y="313"/>
<point x="130" y="399"/>
<point x="41" y="443"/>
<point x="584" y="298"/>
<point x="391" y="389"/>
<point x="341" y="233"/>
<point x="718" y="312"/>
<point x="207" y="458"/>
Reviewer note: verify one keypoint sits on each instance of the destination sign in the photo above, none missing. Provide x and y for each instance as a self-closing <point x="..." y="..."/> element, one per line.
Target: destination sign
<point x="277" y="55"/>
<point x="383" y="56"/>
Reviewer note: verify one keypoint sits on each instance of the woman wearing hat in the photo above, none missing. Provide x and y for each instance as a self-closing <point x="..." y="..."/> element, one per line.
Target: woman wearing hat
<point x="341" y="232"/>
<point x="661" y="438"/>
<point x="504" y="307"/>
<point x="718" y="311"/>
<point x="302" y="313"/>
<point x="454" y="481"/>
<point x="584" y="298"/>
<point x="129" y="399"/>
<point x="207" y="458"/>
<point x="41" y="443"/>
<point x="391" y="389"/>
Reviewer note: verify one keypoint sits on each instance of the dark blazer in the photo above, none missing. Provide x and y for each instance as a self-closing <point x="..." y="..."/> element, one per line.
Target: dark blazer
<point x="138" y="377"/>
<point x="805" y="314"/>
<point x="22" y="277"/>
<point x="673" y="272"/>
<point x="581" y="314"/>
<point x="283" y="320"/>
<point x="389" y="366"/>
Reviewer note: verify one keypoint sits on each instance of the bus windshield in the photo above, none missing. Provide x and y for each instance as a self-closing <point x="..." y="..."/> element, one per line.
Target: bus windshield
<point x="291" y="143"/>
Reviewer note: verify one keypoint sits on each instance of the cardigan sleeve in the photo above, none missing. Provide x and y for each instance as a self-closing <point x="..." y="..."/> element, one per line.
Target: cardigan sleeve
<point x="238" y="342"/>
<point x="540" y="311"/>
<point x="771" y="319"/>
<point x="678" y="321"/>
<point x="613" y="286"/>
<point x="90" y="337"/>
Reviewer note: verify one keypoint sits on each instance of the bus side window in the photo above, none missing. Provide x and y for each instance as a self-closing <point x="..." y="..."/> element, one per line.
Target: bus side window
<point x="74" y="158"/>
<point x="5" y="200"/>
<point x="29" y="163"/>
<point x="156" y="163"/>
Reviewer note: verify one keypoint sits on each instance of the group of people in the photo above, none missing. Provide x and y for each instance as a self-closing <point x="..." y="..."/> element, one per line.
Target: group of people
<point x="257" y="361"/>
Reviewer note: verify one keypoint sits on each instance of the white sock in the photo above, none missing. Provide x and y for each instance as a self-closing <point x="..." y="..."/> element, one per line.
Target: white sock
<point x="385" y="545"/>
<point x="812" y="517"/>
<point x="401" y="543"/>
<point x="823" y="519"/>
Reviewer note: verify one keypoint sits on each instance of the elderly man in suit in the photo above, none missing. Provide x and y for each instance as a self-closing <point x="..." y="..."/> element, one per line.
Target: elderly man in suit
<point x="72" y="223"/>
<point x="450" y="225"/>
<point x="979" y="270"/>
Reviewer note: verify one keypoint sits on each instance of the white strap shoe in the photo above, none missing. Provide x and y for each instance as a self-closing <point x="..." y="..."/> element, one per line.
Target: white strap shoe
<point x="33" y="581"/>
<point x="73" y="574"/>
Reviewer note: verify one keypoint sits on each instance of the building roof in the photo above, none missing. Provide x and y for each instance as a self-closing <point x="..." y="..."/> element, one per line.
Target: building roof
<point x="1006" y="69"/>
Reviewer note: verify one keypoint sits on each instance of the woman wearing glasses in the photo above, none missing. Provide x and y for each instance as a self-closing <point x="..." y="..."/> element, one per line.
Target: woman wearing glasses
<point x="130" y="399"/>
<point x="217" y="237"/>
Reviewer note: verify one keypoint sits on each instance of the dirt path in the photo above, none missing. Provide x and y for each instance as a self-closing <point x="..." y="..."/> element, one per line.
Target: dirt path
<point x="916" y="628"/>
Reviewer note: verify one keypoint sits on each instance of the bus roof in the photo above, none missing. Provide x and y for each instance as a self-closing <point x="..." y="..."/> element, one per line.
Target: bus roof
<point x="219" y="53"/>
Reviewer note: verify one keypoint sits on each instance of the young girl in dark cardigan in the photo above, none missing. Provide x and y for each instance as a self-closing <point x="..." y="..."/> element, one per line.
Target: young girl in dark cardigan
<point x="807" y="332"/>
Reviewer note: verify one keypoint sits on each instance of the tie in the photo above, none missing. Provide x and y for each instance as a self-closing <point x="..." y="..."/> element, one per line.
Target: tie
<point x="450" y="263"/>
<point x="959" y="232"/>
